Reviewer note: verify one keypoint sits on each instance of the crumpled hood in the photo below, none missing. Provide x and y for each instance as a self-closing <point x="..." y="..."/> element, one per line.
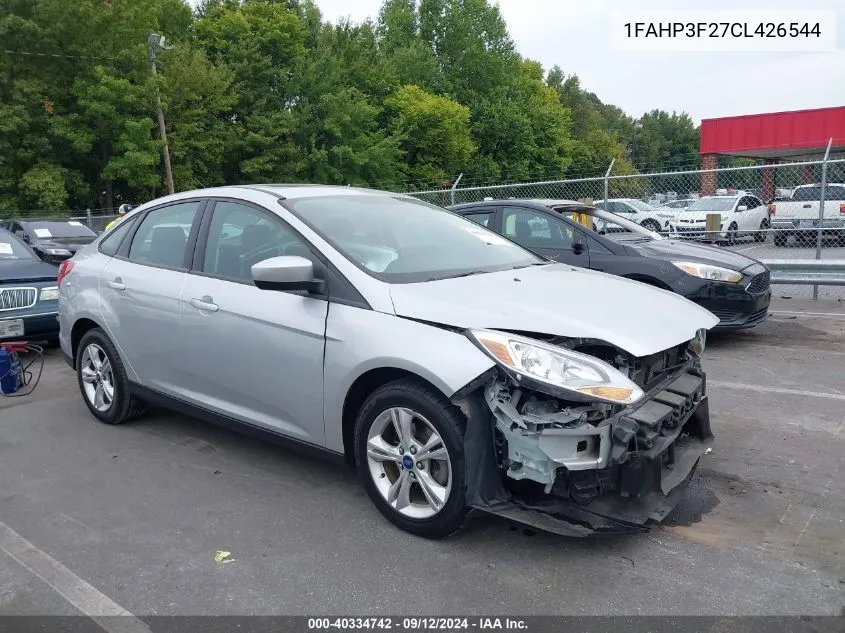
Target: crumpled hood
<point x="560" y="300"/>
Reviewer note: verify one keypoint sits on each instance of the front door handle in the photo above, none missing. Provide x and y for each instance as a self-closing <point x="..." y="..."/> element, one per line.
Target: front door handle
<point x="206" y="303"/>
<point x="116" y="284"/>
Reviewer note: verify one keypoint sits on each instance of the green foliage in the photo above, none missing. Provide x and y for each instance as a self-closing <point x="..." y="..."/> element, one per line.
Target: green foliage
<point x="433" y="132"/>
<point x="43" y="187"/>
<point x="266" y="90"/>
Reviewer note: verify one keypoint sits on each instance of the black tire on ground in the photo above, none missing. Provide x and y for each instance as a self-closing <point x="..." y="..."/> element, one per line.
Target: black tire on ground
<point x="760" y="236"/>
<point x="124" y="406"/>
<point x="448" y="421"/>
<point x="780" y="240"/>
<point x="732" y="233"/>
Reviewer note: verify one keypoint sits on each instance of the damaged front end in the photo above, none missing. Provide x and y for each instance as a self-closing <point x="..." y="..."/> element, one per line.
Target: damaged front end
<point x="566" y="462"/>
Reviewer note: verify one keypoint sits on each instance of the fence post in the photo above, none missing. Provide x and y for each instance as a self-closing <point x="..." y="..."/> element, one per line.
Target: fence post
<point x="606" y="176"/>
<point x="90" y="221"/>
<point x="455" y="186"/>
<point x="820" y="229"/>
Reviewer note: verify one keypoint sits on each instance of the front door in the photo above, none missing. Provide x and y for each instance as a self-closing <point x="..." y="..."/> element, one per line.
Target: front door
<point x="254" y="355"/>
<point x="543" y="234"/>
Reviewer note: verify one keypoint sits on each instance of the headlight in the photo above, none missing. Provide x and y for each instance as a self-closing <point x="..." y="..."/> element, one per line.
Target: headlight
<point x="60" y="252"/>
<point x="562" y="368"/>
<point x="706" y="271"/>
<point x="698" y="342"/>
<point x="49" y="294"/>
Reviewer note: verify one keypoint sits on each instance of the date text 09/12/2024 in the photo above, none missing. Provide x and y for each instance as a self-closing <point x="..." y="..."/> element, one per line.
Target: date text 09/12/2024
<point x="418" y="624"/>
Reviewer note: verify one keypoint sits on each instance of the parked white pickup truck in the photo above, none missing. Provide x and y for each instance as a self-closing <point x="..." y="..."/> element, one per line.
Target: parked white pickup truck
<point x="799" y="216"/>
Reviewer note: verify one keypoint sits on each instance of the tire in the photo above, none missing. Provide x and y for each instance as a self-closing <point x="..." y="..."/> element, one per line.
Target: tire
<point x="651" y="225"/>
<point x="760" y="236"/>
<point x="780" y="240"/>
<point x="732" y="234"/>
<point x="424" y="410"/>
<point x="122" y="406"/>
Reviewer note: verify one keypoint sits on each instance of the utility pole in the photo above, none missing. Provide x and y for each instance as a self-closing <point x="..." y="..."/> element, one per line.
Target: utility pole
<point x="157" y="42"/>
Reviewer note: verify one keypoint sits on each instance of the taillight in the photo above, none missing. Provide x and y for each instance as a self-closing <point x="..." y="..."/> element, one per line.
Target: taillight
<point x="771" y="209"/>
<point x="64" y="268"/>
<point x="841" y="209"/>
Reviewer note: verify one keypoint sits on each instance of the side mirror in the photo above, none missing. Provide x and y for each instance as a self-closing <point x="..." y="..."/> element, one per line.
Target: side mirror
<point x="742" y="207"/>
<point x="285" y="273"/>
<point x="579" y="245"/>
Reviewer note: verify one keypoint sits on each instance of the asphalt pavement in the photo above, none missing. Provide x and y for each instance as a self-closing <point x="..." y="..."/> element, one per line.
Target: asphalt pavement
<point x="128" y="519"/>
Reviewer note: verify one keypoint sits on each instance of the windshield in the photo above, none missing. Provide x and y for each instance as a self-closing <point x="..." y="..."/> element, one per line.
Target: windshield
<point x="12" y="248"/>
<point x="46" y="230"/>
<point x="639" y="205"/>
<point x="814" y="194"/>
<point x="611" y="225"/>
<point x="712" y="204"/>
<point x="402" y="240"/>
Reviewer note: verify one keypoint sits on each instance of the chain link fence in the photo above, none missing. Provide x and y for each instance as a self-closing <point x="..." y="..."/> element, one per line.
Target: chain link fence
<point x="768" y="212"/>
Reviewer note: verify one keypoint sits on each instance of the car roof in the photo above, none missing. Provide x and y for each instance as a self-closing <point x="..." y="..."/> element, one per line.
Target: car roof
<point x="544" y="202"/>
<point x="293" y="191"/>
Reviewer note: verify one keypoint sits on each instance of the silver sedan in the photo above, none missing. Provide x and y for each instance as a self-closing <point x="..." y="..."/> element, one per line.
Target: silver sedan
<point x="452" y="367"/>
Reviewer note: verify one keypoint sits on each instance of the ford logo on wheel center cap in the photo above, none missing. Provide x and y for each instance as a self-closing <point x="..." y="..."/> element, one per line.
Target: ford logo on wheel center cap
<point x="408" y="462"/>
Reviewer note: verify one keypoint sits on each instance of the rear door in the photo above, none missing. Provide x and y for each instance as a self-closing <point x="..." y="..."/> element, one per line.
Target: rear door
<point x="139" y="290"/>
<point x="253" y="355"/>
<point x="543" y="234"/>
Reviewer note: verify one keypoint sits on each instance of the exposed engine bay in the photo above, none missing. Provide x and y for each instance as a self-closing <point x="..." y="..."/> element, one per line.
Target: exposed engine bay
<point x="575" y="466"/>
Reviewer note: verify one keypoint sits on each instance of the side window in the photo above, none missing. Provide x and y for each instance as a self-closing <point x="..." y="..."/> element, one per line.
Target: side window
<point x="531" y="228"/>
<point x="480" y="218"/>
<point x="623" y="207"/>
<point x="162" y="236"/>
<point x="111" y="243"/>
<point x="240" y="236"/>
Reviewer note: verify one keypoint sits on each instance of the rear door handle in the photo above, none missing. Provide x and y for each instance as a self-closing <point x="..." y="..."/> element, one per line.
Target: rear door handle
<point x="117" y="284"/>
<point x="206" y="303"/>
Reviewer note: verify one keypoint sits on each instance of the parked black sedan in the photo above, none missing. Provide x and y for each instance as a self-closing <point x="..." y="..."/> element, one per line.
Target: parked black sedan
<point x="732" y="286"/>
<point x="52" y="240"/>
<point x="29" y="293"/>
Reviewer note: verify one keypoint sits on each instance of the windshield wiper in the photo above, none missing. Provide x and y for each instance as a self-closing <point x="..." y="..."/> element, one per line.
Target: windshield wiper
<point x="466" y="274"/>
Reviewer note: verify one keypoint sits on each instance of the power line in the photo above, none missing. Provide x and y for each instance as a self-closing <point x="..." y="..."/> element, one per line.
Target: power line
<point x="59" y="55"/>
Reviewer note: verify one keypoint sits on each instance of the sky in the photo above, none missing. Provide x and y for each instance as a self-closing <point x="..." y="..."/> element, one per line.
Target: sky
<point x="576" y="35"/>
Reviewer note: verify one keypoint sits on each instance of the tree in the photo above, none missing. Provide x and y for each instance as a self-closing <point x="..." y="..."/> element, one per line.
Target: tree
<point x="434" y="133"/>
<point x="198" y="99"/>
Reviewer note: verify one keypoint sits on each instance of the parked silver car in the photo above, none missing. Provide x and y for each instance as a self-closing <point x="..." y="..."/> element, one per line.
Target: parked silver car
<point x="455" y="369"/>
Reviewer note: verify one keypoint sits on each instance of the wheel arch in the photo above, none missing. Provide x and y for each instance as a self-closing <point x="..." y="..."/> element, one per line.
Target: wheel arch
<point x="80" y="327"/>
<point x="649" y="280"/>
<point x="361" y="388"/>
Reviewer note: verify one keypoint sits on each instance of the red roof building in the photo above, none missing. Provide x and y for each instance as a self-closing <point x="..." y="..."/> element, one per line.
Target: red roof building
<point x="796" y="136"/>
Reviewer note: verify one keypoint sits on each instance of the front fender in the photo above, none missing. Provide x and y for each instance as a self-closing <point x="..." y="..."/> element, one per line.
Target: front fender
<point x="359" y="340"/>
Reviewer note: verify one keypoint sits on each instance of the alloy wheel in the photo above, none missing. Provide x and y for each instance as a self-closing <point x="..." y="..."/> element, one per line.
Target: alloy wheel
<point x="409" y="463"/>
<point x="97" y="377"/>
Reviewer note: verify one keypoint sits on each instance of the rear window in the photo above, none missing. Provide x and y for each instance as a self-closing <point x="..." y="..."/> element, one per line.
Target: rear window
<point x="814" y="194"/>
<point x="71" y="228"/>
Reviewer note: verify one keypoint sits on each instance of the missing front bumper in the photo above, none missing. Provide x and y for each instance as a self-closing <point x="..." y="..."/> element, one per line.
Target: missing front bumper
<point x="634" y="474"/>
